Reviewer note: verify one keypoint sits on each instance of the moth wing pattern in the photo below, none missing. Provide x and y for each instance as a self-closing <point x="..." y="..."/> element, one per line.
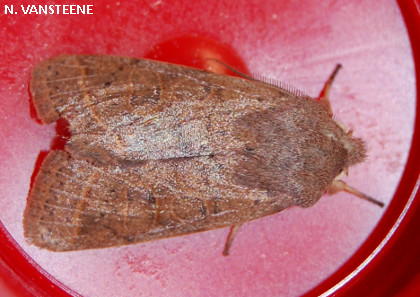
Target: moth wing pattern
<point x="110" y="206"/>
<point x="129" y="110"/>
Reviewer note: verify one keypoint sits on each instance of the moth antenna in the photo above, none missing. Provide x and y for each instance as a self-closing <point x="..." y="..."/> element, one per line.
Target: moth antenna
<point x="269" y="81"/>
<point x="339" y="185"/>
<point x="233" y="230"/>
<point x="324" y="96"/>
<point x="243" y="75"/>
<point x="279" y="84"/>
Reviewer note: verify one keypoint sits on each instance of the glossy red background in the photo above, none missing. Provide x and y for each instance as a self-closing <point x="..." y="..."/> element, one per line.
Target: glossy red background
<point x="191" y="33"/>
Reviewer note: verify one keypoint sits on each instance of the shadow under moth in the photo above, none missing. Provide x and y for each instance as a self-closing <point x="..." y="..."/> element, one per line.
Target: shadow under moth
<point x="160" y="150"/>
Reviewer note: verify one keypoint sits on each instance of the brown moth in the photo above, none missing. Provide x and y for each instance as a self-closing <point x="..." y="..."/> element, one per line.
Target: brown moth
<point x="160" y="150"/>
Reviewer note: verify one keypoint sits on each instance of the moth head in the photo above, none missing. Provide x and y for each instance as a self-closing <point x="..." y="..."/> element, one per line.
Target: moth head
<point x="356" y="150"/>
<point x="355" y="147"/>
<point x="356" y="153"/>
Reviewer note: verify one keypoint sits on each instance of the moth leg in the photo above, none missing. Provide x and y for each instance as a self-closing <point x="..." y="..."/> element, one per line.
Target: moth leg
<point x="339" y="185"/>
<point x="233" y="230"/>
<point x="324" y="96"/>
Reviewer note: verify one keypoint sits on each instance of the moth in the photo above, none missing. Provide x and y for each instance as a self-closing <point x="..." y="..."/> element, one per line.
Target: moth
<point x="160" y="150"/>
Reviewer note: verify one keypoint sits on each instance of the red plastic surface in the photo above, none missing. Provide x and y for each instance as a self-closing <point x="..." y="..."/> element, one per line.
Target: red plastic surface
<point x="341" y="245"/>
